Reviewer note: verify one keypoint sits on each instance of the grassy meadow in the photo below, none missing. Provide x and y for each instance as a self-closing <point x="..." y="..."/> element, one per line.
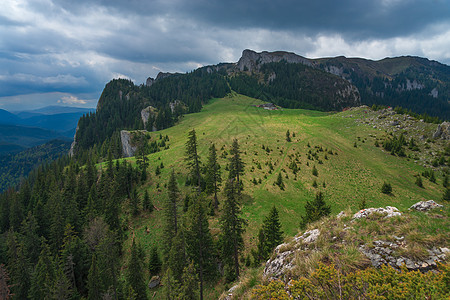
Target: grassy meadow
<point x="347" y="175"/>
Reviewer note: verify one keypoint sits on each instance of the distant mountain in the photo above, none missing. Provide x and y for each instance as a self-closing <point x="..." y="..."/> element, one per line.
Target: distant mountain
<point x="284" y="78"/>
<point x="55" y="109"/>
<point x="15" y="137"/>
<point x="8" y="118"/>
<point x="57" y="122"/>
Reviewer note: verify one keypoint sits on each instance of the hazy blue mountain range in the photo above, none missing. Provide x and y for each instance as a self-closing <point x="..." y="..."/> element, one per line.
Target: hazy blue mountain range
<point x="23" y="129"/>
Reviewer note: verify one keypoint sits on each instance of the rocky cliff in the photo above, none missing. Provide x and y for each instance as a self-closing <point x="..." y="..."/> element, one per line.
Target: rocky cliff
<point x="252" y="61"/>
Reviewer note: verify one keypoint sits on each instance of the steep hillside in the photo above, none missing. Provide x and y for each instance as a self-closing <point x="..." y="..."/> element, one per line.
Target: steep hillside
<point x="411" y="82"/>
<point x="111" y="222"/>
<point x="351" y="169"/>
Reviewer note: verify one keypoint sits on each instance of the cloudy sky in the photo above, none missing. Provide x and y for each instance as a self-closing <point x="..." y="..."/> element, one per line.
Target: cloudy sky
<point x="63" y="52"/>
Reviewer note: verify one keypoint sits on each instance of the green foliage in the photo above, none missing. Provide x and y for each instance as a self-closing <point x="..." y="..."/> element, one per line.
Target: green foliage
<point x="279" y="181"/>
<point x="288" y="136"/>
<point x="314" y="171"/>
<point x="189" y="289"/>
<point x="327" y="282"/>
<point x="155" y="263"/>
<point x="135" y="272"/>
<point x="213" y="176"/>
<point x="232" y="228"/>
<point x="199" y="242"/>
<point x="295" y="86"/>
<point x="314" y="210"/>
<point x="446" y="195"/>
<point x="419" y="182"/>
<point x="270" y="234"/>
<point x="170" y="212"/>
<point x="395" y="145"/>
<point x="193" y="160"/>
<point x="386" y="188"/>
<point x="15" y="166"/>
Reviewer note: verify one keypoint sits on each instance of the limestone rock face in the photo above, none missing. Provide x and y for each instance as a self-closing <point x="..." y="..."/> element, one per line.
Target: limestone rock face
<point x="425" y="205"/>
<point x="442" y="131"/>
<point x="146" y="113"/>
<point x="149" y="81"/>
<point x="251" y="60"/>
<point x="127" y="149"/>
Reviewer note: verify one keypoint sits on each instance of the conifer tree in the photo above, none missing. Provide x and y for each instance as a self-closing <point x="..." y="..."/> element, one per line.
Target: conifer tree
<point x="94" y="280"/>
<point x="134" y="201"/>
<point x="213" y="175"/>
<point x="288" y="136"/>
<point x="271" y="235"/>
<point x="43" y="276"/>
<point x="232" y="228"/>
<point x="146" y="203"/>
<point x="419" y="181"/>
<point x="193" y="159"/>
<point x="236" y="165"/>
<point x="199" y="243"/>
<point x="154" y="264"/>
<point x="135" y="272"/>
<point x="314" y="210"/>
<point x="19" y="267"/>
<point x="446" y="195"/>
<point x="189" y="289"/>
<point x="5" y="287"/>
<point x="170" y="214"/>
<point x="177" y="256"/>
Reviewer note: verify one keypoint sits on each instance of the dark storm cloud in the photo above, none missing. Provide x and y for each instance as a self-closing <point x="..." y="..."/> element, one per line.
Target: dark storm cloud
<point x="67" y="46"/>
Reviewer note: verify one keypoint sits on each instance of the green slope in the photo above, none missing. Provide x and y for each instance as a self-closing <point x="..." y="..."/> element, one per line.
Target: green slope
<point x="351" y="174"/>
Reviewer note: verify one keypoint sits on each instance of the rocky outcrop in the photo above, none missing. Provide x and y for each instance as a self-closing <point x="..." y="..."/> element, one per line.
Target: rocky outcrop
<point x="128" y="149"/>
<point x="146" y="113"/>
<point x="74" y="143"/>
<point x="155" y="281"/>
<point x="425" y="205"/>
<point x="442" y="131"/>
<point x="382" y="253"/>
<point x="389" y="211"/>
<point x="150" y="82"/>
<point x="252" y="61"/>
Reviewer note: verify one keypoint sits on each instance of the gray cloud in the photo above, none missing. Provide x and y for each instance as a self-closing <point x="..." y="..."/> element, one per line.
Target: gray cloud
<point x="75" y="47"/>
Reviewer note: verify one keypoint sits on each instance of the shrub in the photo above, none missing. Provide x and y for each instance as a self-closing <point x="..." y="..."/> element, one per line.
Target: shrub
<point x="386" y="188"/>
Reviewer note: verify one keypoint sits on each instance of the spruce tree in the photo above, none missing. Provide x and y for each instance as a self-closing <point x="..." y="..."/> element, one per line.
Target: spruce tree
<point x="135" y="272"/>
<point x="232" y="228"/>
<point x="177" y="256"/>
<point x="94" y="280"/>
<point x="314" y="210"/>
<point x="419" y="181"/>
<point x="236" y="165"/>
<point x="193" y="159"/>
<point x="146" y="203"/>
<point x="213" y="175"/>
<point x="170" y="211"/>
<point x="446" y="195"/>
<point x="199" y="243"/>
<point x="43" y="276"/>
<point x="271" y="235"/>
<point x="189" y="289"/>
<point x="154" y="264"/>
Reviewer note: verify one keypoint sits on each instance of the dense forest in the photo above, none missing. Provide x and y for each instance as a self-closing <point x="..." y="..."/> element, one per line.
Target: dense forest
<point x="15" y="167"/>
<point x="62" y="232"/>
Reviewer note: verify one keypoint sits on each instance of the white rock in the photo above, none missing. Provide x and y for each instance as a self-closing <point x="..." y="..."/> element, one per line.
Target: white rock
<point x="425" y="205"/>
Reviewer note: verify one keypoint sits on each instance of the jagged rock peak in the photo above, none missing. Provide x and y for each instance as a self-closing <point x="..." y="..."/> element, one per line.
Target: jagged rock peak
<point x="252" y="60"/>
